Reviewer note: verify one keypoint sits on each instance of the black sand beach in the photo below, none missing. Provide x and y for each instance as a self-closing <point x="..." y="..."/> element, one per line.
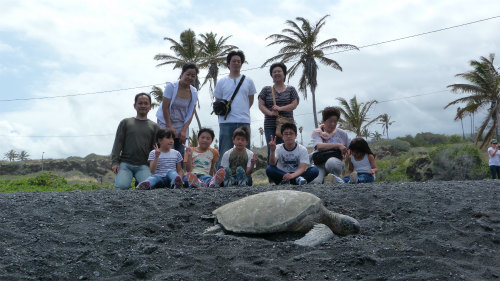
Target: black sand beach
<point x="409" y="231"/>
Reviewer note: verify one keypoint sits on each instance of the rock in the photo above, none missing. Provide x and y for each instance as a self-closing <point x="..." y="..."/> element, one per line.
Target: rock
<point x="420" y="170"/>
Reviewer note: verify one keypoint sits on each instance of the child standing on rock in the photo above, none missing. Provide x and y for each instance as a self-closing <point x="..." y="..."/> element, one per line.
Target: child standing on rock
<point x="201" y="161"/>
<point x="362" y="166"/>
<point x="164" y="163"/>
<point x="239" y="161"/>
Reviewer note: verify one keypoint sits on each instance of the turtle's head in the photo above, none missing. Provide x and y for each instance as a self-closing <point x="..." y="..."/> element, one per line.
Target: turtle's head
<point x="341" y="224"/>
<point x="349" y="225"/>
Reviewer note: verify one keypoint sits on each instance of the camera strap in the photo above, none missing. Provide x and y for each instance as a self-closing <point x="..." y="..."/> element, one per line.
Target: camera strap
<point x="234" y="94"/>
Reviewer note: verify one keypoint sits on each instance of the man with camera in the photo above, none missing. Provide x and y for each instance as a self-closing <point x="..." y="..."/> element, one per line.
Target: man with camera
<point x="236" y="92"/>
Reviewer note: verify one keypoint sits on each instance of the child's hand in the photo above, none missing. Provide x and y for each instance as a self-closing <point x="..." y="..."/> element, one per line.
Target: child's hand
<point x="287" y="177"/>
<point x="372" y="171"/>
<point x="253" y="160"/>
<point x="272" y="143"/>
<point x="157" y="150"/>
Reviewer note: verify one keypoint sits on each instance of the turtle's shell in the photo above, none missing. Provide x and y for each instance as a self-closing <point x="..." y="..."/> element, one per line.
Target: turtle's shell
<point x="267" y="212"/>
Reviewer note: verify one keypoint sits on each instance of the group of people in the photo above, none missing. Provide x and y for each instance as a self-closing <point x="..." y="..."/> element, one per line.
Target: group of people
<point x="156" y="155"/>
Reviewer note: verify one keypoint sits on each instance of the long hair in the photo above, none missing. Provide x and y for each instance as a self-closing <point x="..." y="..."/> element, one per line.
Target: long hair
<point x="359" y="144"/>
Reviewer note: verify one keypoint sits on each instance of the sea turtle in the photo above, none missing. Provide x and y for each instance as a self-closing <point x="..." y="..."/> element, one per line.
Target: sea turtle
<point x="282" y="211"/>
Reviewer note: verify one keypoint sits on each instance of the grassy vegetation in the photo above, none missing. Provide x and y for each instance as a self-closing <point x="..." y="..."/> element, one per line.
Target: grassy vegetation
<point x="398" y="160"/>
<point x="46" y="181"/>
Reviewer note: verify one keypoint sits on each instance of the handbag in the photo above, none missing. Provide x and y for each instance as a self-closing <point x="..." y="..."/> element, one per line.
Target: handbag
<point x="320" y="157"/>
<point x="280" y="120"/>
<point x="222" y="107"/>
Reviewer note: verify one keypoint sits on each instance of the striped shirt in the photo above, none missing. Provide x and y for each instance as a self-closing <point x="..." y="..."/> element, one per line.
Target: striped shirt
<point x="166" y="161"/>
<point x="284" y="98"/>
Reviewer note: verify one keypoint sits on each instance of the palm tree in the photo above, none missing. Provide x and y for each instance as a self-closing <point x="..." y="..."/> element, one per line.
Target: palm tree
<point x="483" y="91"/>
<point x="365" y="133"/>
<point x="385" y="121"/>
<point x="11" y="155"/>
<point x="355" y="115"/>
<point x="23" y="155"/>
<point x="300" y="46"/>
<point x="213" y="54"/>
<point x="376" y="136"/>
<point x="193" y="139"/>
<point x="157" y="94"/>
<point x="186" y="51"/>
<point x="261" y="131"/>
<point x="301" y="139"/>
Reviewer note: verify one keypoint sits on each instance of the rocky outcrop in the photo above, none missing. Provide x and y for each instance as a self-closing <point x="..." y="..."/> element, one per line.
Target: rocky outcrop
<point x="87" y="166"/>
<point x="420" y="170"/>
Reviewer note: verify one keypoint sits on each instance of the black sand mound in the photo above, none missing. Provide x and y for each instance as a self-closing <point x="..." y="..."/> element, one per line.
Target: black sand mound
<point x="410" y="231"/>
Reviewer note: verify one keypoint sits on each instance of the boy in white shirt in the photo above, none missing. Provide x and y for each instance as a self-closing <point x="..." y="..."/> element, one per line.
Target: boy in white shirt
<point x="288" y="161"/>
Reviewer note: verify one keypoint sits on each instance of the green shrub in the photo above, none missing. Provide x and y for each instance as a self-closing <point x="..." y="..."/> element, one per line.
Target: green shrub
<point x="392" y="169"/>
<point x="47" y="179"/>
<point x="46" y="182"/>
<point x="430" y="139"/>
<point x="384" y="148"/>
<point x="457" y="162"/>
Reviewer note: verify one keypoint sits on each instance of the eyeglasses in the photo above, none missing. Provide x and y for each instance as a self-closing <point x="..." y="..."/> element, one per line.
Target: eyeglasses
<point x="288" y="134"/>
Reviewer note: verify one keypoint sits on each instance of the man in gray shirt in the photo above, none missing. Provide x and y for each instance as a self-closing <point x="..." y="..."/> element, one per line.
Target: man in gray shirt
<point x="134" y="140"/>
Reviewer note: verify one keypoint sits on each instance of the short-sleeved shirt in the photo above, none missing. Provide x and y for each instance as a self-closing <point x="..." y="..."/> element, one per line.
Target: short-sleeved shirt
<point x="203" y="161"/>
<point x="240" y="107"/>
<point x="284" y="98"/>
<point x="340" y="136"/>
<point x="495" y="159"/>
<point x="290" y="160"/>
<point x="233" y="159"/>
<point x="166" y="161"/>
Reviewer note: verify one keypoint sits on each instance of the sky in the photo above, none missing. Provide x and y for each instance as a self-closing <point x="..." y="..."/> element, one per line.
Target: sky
<point x="69" y="70"/>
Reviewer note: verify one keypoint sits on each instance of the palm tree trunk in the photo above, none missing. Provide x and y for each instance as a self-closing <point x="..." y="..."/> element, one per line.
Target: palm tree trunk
<point x="314" y="108"/>
<point x="463" y="133"/>
<point x="471" y="130"/>
<point x="197" y="119"/>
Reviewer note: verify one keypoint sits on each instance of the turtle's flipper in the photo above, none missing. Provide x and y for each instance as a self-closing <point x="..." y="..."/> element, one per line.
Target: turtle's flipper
<point x="216" y="229"/>
<point x="317" y="235"/>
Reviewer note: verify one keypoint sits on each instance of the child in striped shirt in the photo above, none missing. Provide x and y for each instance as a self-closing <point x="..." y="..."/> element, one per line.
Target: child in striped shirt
<point x="164" y="163"/>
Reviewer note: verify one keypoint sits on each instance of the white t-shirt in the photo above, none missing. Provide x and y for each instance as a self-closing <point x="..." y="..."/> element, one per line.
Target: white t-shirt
<point x="166" y="161"/>
<point x="290" y="160"/>
<point x="225" y="158"/>
<point x="240" y="107"/>
<point x="495" y="159"/>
